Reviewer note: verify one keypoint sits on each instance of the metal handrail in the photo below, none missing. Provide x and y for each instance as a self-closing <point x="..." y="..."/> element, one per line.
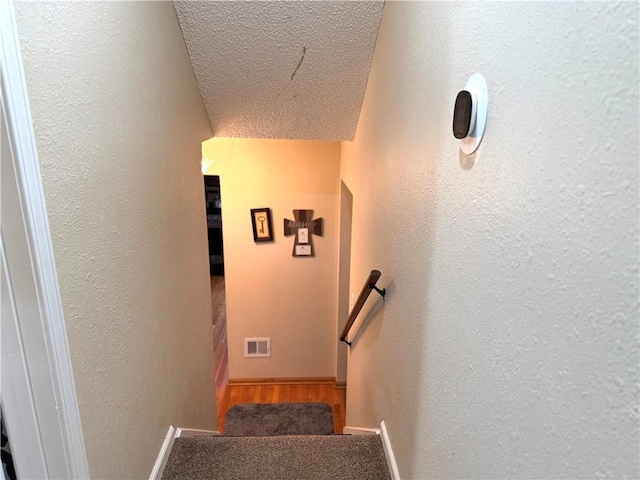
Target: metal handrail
<point x="369" y="285"/>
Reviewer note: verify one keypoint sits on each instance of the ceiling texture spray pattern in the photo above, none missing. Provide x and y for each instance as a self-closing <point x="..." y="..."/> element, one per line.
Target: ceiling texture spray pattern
<point x="289" y="70"/>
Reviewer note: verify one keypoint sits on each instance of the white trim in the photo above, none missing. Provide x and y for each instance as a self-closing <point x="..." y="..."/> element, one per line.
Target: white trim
<point x="194" y="432"/>
<point x="388" y="452"/>
<point x="360" y="431"/>
<point x="163" y="456"/>
<point x="27" y="167"/>
<point x="167" y="446"/>
<point x="18" y="409"/>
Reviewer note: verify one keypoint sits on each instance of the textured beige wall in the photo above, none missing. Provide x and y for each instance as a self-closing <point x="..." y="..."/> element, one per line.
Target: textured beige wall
<point x="508" y="344"/>
<point x="118" y="122"/>
<point x="269" y="292"/>
<point x="344" y="272"/>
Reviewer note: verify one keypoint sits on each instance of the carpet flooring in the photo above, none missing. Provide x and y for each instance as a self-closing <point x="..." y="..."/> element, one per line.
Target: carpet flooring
<point x="323" y="457"/>
<point x="279" y="419"/>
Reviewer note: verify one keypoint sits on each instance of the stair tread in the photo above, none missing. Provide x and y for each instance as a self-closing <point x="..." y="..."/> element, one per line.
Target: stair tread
<point x="291" y="457"/>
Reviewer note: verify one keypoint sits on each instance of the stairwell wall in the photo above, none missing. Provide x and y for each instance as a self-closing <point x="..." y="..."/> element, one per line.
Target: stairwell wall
<point x="119" y="122"/>
<point x="270" y="293"/>
<point x="508" y="343"/>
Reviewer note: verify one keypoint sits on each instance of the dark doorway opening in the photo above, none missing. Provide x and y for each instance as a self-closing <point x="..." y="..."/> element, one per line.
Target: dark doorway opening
<point x="214" y="224"/>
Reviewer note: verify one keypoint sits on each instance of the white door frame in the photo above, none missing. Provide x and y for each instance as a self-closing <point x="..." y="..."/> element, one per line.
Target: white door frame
<point x="55" y="407"/>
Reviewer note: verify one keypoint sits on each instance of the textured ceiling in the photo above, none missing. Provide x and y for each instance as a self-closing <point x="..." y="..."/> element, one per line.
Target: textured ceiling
<point x="294" y="70"/>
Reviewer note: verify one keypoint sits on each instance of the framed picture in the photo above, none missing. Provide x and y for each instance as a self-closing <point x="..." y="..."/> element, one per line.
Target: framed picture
<point x="262" y="226"/>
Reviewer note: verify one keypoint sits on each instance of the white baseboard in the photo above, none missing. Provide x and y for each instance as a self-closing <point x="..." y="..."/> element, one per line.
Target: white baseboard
<point x="194" y="432"/>
<point x="360" y="431"/>
<point x="167" y="445"/>
<point x="163" y="456"/>
<point x="388" y="451"/>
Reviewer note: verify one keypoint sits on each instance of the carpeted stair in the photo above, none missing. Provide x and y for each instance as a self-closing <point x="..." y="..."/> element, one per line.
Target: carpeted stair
<point x="283" y="441"/>
<point x="292" y="457"/>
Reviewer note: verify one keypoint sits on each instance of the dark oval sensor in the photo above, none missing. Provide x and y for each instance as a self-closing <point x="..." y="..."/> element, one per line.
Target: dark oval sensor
<point x="462" y="114"/>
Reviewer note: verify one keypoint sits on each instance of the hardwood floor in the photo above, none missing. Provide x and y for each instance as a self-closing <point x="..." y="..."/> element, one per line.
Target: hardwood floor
<point x="219" y="320"/>
<point x="228" y="395"/>
<point x="290" y="392"/>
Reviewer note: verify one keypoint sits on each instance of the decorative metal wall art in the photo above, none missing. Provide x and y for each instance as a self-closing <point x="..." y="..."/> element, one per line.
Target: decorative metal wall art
<point x="303" y="227"/>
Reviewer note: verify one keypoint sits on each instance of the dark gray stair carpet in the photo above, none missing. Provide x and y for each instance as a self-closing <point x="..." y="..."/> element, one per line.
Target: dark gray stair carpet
<point x="355" y="457"/>
<point x="279" y="419"/>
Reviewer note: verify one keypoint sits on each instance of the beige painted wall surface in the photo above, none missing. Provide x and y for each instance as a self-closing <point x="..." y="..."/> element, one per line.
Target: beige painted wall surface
<point x="508" y="344"/>
<point x="344" y="271"/>
<point x="118" y="122"/>
<point x="269" y="292"/>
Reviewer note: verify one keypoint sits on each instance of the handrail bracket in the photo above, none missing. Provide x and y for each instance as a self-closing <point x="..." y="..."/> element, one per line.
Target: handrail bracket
<point x="382" y="292"/>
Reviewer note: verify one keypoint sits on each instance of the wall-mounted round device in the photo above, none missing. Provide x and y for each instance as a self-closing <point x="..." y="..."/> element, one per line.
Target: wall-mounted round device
<point x="470" y="114"/>
<point x="464" y="114"/>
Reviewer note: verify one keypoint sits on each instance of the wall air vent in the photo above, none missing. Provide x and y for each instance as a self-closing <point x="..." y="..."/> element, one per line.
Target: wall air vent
<point x="257" y="347"/>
